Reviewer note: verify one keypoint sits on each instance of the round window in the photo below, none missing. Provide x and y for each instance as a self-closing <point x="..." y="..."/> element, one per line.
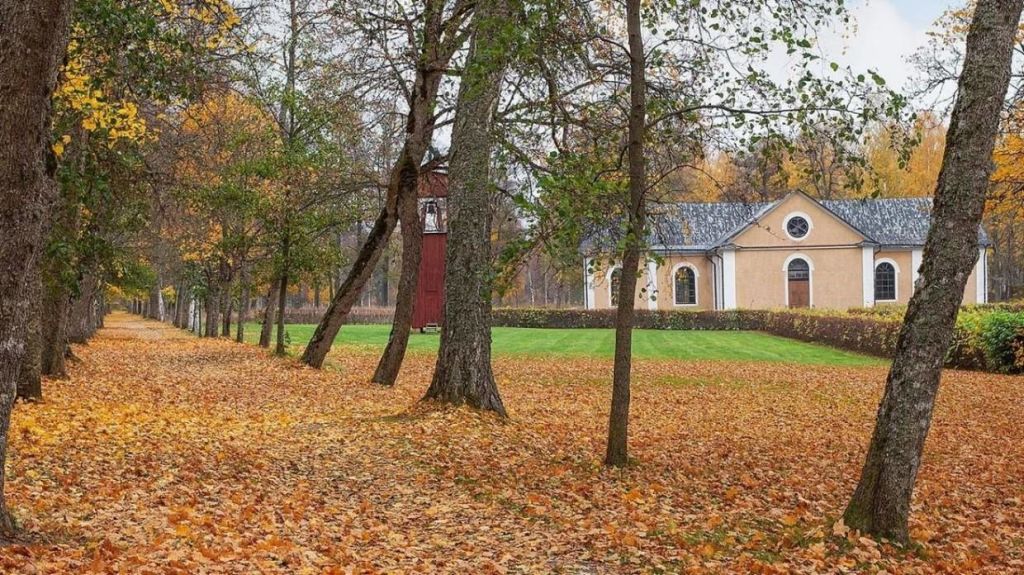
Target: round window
<point x="797" y="227"/>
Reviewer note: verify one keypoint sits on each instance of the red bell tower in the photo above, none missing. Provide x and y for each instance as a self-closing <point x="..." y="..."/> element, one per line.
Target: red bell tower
<point x="428" y="308"/>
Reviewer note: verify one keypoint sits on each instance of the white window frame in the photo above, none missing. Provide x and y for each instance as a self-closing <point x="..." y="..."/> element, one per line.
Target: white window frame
<point x="807" y="218"/>
<point x="696" y="285"/>
<point x="608" y="280"/>
<point x="896" y="279"/>
<point x="810" y="276"/>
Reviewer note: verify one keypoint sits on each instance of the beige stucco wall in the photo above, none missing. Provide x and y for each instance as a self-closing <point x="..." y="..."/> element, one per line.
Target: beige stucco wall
<point x="836" y="281"/>
<point x="971" y="290"/>
<point x="665" y="286"/>
<point x="826" y="230"/>
<point x="705" y="282"/>
<point x="601" y="294"/>
<point x="904" y="274"/>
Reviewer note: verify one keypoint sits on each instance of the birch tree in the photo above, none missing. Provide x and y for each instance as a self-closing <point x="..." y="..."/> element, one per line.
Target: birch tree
<point x="881" y="503"/>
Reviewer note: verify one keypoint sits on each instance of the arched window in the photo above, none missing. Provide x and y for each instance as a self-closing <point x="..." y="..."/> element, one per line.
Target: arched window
<point x="799" y="270"/>
<point x="685" y="286"/>
<point x="613" y="286"/>
<point x="885" y="282"/>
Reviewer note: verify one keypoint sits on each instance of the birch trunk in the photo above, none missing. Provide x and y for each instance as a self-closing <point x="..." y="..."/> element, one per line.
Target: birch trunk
<point x="881" y="503"/>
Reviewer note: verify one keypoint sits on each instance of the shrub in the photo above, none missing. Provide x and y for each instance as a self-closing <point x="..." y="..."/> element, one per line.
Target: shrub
<point x="966" y="349"/>
<point x="1002" y="336"/>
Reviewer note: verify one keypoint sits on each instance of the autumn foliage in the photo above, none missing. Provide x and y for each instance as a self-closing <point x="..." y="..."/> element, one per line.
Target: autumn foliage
<point x="211" y="456"/>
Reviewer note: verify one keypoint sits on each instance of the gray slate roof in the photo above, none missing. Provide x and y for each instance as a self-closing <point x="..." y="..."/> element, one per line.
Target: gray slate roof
<point x="701" y="226"/>
<point x="704" y="226"/>
<point x="888" y="221"/>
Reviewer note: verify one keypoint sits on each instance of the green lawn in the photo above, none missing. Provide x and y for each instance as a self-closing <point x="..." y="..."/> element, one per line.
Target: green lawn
<point x="647" y="344"/>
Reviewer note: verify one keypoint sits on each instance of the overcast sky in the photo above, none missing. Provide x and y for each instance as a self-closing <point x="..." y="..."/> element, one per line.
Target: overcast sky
<point x="886" y="33"/>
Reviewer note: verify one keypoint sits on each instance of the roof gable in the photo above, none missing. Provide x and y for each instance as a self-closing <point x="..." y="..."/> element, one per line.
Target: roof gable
<point x="769" y="227"/>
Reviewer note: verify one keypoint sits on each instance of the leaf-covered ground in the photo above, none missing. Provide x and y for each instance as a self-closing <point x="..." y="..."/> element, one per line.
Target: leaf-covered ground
<point x="169" y="454"/>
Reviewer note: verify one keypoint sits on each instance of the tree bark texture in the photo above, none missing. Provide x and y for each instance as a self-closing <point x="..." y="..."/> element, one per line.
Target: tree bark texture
<point x="881" y="503"/>
<point x="463" y="371"/>
<point x="30" y="380"/>
<point x="180" y="303"/>
<point x="282" y="300"/>
<point x="617" y="453"/>
<point x="412" y="251"/>
<point x="433" y="60"/>
<point x="212" y="311"/>
<point x="81" y="317"/>
<point x="154" y="301"/>
<point x="243" y="313"/>
<point x="33" y="40"/>
<point x="226" y="317"/>
<point x="56" y="302"/>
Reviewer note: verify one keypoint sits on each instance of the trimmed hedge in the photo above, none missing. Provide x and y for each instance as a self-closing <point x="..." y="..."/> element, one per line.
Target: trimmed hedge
<point x="986" y="338"/>
<point x="865" y="335"/>
<point x="605" y="318"/>
<point x="358" y="315"/>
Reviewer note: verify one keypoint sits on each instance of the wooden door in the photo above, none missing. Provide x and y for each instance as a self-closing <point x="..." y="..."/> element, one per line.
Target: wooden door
<point x="798" y="282"/>
<point x="799" y="293"/>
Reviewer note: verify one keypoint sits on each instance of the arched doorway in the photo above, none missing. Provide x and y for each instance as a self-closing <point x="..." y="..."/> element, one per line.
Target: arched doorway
<point x="798" y="283"/>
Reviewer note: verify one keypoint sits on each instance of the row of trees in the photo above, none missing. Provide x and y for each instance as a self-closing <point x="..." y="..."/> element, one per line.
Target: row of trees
<point x="195" y="155"/>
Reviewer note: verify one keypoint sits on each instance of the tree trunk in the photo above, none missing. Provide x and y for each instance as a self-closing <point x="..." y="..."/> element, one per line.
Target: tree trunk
<point x="384" y="287"/>
<point x="33" y="40"/>
<point x="618" y="420"/>
<point x="282" y="300"/>
<point x="155" y="298"/>
<point x="403" y="181"/>
<point x="186" y="307"/>
<point x="30" y="380"/>
<point x="881" y="502"/>
<point x="226" y="317"/>
<point x="243" y="313"/>
<point x="350" y="290"/>
<point x="179" y="305"/>
<point x="79" y="325"/>
<point x="463" y="372"/>
<point x="212" y="313"/>
<point x="412" y="251"/>
<point x="102" y="308"/>
<point x="54" y="341"/>
<point x="268" y="314"/>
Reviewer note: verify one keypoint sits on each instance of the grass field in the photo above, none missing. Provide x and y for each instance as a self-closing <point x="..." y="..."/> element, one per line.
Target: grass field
<point x="647" y="344"/>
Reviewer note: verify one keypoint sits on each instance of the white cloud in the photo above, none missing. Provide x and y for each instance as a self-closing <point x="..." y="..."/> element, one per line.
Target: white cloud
<point x="879" y="37"/>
